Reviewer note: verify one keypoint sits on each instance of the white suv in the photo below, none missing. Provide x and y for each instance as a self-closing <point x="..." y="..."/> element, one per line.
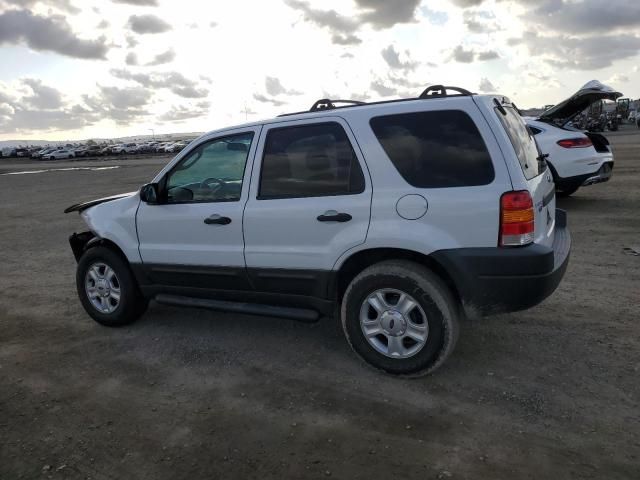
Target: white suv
<point x="399" y="216"/>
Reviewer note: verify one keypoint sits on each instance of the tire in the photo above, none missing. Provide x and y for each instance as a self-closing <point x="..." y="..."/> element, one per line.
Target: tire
<point x="435" y="307"/>
<point x="131" y="304"/>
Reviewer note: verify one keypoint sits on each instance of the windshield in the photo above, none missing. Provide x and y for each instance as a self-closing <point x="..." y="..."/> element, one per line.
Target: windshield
<point x="523" y="142"/>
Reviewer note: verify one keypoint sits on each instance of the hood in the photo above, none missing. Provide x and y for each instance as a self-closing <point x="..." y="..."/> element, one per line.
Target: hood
<point x="79" y="207"/>
<point x="591" y="92"/>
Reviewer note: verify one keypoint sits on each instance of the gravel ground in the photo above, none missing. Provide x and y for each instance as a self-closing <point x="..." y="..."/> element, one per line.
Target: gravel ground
<point x="547" y="393"/>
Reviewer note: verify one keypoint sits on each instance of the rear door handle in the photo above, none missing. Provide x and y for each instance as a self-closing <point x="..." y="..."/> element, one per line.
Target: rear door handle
<point x="216" y="219"/>
<point x="333" y="216"/>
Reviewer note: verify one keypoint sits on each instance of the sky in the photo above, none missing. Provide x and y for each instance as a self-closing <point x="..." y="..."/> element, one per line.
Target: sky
<point x="79" y="69"/>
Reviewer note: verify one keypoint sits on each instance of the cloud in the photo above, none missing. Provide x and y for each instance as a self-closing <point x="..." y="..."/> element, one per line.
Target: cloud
<point x="385" y="14"/>
<point x="103" y="24"/>
<point x="263" y="99"/>
<point x="131" y="58"/>
<point x="467" y="3"/>
<point x="461" y="55"/>
<point x="138" y="3"/>
<point x="340" y="39"/>
<point x="162" y="58"/>
<point x="392" y="57"/>
<point x="43" y="97"/>
<point x="486" y="86"/>
<point x="180" y="113"/>
<point x="379" y="14"/>
<point x="488" y="55"/>
<point x="51" y="33"/>
<point x="122" y="105"/>
<point x="131" y="41"/>
<point x="173" y="81"/>
<point x="581" y="53"/>
<point x="618" y="78"/>
<point x="145" y="24"/>
<point x="480" y="22"/>
<point x="383" y="90"/>
<point x="64" y="5"/>
<point x="275" y="88"/>
<point x="586" y="16"/>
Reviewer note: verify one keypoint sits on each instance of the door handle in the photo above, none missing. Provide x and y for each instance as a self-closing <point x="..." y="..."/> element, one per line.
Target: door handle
<point x="216" y="219"/>
<point x="333" y="216"/>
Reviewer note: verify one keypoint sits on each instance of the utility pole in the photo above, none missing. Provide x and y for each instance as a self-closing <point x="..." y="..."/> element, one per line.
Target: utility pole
<point x="153" y="132"/>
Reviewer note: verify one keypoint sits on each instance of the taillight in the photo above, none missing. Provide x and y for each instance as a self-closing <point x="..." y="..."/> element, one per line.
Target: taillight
<point x="580" y="142"/>
<point x="516" y="219"/>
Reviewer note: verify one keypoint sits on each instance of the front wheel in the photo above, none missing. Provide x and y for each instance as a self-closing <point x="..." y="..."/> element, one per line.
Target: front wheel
<point x="399" y="317"/>
<point x="107" y="289"/>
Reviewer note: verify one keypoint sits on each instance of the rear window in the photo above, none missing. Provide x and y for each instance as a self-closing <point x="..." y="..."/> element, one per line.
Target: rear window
<point x="522" y="141"/>
<point x="435" y="149"/>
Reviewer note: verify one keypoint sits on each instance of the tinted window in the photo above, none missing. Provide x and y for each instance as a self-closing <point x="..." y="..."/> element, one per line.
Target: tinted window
<point x="212" y="172"/>
<point x="522" y="141"/>
<point x="435" y="149"/>
<point x="309" y="161"/>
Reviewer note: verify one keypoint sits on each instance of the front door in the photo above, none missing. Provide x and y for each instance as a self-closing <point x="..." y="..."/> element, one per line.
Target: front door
<point x="310" y="202"/>
<point x="193" y="238"/>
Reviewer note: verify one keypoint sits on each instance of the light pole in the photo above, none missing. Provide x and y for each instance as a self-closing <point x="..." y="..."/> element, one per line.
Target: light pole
<point x="153" y="132"/>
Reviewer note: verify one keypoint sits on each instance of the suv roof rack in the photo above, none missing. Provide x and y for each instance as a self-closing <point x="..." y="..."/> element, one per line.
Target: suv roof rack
<point x="326" y="104"/>
<point x="441" y="91"/>
<point x="434" y="91"/>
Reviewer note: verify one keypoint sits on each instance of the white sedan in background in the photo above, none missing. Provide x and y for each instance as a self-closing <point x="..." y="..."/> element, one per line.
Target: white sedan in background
<point x="59" y="154"/>
<point x="576" y="158"/>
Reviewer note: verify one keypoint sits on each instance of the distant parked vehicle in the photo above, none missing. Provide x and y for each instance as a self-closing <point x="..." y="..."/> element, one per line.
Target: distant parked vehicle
<point x="59" y="154"/>
<point x="9" y="152"/>
<point x="575" y="158"/>
<point x="124" y="148"/>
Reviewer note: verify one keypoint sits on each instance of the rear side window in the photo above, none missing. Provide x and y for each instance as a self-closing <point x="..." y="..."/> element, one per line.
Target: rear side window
<point x="435" y="149"/>
<point x="309" y="161"/>
<point x="523" y="142"/>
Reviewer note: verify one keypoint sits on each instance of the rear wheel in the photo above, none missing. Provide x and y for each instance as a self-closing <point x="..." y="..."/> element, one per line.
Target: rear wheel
<point x="399" y="317"/>
<point x="107" y="289"/>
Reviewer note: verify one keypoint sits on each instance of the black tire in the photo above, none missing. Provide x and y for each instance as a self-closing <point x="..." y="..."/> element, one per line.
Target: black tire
<point x="131" y="305"/>
<point x="440" y="308"/>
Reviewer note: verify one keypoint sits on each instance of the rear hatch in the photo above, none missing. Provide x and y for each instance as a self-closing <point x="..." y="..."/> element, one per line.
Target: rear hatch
<point x="591" y="92"/>
<point x="538" y="177"/>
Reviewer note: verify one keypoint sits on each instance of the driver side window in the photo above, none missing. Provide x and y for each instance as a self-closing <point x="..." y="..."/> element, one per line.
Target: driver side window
<point x="212" y="172"/>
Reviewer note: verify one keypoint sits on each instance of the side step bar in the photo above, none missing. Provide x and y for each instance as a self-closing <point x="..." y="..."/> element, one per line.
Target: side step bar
<point x="301" y="314"/>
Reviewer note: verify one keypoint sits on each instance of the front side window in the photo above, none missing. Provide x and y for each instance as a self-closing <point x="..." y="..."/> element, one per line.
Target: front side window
<point x="212" y="172"/>
<point x="309" y="161"/>
<point x="435" y="149"/>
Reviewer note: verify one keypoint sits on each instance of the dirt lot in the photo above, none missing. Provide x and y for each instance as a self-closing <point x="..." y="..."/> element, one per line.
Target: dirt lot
<point x="548" y="393"/>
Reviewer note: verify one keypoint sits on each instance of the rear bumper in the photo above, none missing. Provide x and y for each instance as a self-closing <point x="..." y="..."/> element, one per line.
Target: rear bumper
<point x="603" y="174"/>
<point x="497" y="280"/>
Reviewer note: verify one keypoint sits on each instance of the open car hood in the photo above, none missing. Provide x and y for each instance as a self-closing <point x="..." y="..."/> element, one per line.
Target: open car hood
<point x="591" y="92"/>
<point x="79" y="207"/>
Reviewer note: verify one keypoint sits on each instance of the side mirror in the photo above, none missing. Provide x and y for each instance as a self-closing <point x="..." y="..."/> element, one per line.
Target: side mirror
<point x="149" y="193"/>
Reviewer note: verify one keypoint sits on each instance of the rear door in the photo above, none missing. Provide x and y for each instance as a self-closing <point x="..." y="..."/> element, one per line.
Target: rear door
<point x="537" y="175"/>
<point x="310" y="201"/>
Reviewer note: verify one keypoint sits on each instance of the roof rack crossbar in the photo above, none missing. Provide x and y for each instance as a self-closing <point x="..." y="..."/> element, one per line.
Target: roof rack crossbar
<point x="441" y="91"/>
<point x="326" y="103"/>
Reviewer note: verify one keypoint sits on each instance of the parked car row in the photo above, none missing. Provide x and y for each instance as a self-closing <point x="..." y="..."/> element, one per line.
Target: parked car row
<point x="72" y="151"/>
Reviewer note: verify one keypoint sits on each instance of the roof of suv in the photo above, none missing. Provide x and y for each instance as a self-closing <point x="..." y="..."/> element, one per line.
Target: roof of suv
<point x="328" y="107"/>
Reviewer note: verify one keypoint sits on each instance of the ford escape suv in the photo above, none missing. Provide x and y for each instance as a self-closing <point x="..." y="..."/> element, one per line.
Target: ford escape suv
<point x="400" y="217"/>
